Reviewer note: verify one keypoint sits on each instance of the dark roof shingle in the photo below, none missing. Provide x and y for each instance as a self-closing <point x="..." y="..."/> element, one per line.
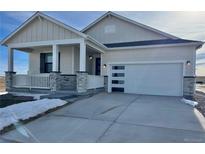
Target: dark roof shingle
<point x="149" y="42"/>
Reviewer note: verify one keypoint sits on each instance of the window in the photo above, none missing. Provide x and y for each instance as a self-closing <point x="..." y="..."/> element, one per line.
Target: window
<point x="118" y="67"/>
<point x="117" y="82"/>
<point x="118" y="74"/>
<point x="117" y="89"/>
<point x="46" y="62"/>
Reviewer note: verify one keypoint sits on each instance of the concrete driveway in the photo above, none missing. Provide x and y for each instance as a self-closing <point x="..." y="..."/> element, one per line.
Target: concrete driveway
<point x="118" y="117"/>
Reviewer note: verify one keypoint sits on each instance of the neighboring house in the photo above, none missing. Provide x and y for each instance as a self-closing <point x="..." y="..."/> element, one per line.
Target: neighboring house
<point x="200" y="73"/>
<point x="112" y="52"/>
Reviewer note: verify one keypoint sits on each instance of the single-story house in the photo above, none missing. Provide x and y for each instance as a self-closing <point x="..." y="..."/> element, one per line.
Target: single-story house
<point x="113" y="52"/>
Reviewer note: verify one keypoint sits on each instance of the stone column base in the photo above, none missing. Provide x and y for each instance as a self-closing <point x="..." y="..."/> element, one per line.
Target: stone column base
<point x="82" y="82"/>
<point x="54" y="81"/>
<point x="9" y="80"/>
<point x="189" y="86"/>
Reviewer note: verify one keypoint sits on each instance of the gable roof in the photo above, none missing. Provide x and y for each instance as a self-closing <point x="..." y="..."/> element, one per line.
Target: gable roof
<point x="130" y="21"/>
<point x="151" y="42"/>
<point x="171" y="41"/>
<point x="39" y="14"/>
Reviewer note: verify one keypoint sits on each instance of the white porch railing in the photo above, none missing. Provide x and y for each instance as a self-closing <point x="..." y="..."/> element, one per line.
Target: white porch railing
<point x="31" y="81"/>
<point x="94" y="82"/>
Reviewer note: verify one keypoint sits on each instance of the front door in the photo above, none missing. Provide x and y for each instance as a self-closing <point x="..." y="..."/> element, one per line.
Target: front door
<point x="97" y="66"/>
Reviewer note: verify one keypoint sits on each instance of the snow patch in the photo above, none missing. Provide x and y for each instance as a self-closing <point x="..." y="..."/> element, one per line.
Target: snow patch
<point x="190" y="102"/>
<point x="3" y="93"/>
<point x="22" y="111"/>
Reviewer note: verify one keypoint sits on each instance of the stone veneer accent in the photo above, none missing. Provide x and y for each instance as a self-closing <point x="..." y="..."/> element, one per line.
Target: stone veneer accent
<point x="106" y="83"/>
<point x="82" y="82"/>
<point x="67" y="82"/>
<point x="189" y="86"/>
<point x="9" y="80"/>
<point x="55" y="81"/>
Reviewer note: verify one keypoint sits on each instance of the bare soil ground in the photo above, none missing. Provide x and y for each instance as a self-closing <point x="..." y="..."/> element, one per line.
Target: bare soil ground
<point x="200" y="98"/>
<point x="2" y="84"/>
<point x="9" y="99"/>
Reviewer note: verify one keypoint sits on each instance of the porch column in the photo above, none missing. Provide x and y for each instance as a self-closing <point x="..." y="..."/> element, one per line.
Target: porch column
<point x="10" y="60"/>
<point x="82" y="57"/>
<point x="55" y="58"/>
<point x="55" y="77"/>
<point x="82" y="74"/>
<point x="55" y="81"/>
<point x="9" y="74"/>
<point x="81" y="82"/>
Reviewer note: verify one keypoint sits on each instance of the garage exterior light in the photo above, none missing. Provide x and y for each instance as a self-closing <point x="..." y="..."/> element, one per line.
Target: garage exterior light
<point x="188" y="63"/>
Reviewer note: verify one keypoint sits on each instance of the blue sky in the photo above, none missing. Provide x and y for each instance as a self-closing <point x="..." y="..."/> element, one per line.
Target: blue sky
<point x="188" y="25"/>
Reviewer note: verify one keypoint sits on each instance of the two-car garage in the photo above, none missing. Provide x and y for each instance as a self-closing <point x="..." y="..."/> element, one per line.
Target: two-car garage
<point x="147" y="78"/>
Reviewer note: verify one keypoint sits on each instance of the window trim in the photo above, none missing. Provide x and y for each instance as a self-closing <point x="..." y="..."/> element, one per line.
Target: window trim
<point x="45" y="64"/>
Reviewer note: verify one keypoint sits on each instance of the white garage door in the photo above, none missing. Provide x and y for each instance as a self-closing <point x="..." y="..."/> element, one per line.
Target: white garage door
<point x="151" y="79"/>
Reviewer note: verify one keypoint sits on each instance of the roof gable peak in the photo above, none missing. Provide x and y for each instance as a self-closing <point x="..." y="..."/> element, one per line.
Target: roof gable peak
<point x="129" y="21"/>
<point x="41" y="15"/>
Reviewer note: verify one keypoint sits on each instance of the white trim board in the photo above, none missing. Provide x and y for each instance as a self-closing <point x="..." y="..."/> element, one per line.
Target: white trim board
<point x="73" y="60"/>
<point x="46" y="43"/>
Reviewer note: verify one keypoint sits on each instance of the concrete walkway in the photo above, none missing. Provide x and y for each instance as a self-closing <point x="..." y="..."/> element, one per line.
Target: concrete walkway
<point x="118" y="117"/>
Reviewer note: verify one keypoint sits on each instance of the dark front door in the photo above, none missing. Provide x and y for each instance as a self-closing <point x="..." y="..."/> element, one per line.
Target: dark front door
<point x="97" y="66"/>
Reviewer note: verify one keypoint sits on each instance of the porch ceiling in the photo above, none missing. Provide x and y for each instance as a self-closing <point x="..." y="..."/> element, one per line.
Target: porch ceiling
<point x="89" y="49"/>
<point x="30" y="49"/>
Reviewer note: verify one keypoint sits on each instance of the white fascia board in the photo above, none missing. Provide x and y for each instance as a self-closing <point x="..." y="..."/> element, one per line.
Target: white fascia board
<point x="94" y="22"/>
<point x="154" y="46"/>
<point x="95" y="46"/>
<point x="91" y="39"/>
<point x="46" y="43"/>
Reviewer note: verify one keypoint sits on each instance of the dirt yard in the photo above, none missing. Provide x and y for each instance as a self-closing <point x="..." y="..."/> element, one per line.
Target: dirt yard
<point x="200" y="98"/>
<point x="2" y="84"/>
<point x="9" y="99"/>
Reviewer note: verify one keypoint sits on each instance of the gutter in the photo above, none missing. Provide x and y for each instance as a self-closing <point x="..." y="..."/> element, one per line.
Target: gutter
<point x="197" y="44"/>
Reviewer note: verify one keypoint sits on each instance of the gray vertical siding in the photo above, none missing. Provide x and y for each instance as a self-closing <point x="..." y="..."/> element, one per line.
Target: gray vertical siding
<point x="124" y="32"/>
<point x="41" y="30"/>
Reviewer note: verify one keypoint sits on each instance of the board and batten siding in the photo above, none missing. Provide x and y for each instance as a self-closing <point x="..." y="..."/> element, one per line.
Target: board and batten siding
<point x="69" y="60"/>
<point x="184" y="53"/>
<point x="41" y="29"/>
<point x="113" y="30"/>
<point x="66" y="60"/>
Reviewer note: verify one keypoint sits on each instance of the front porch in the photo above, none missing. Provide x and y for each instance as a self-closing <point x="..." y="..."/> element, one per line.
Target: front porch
<point x="72" y="66"/>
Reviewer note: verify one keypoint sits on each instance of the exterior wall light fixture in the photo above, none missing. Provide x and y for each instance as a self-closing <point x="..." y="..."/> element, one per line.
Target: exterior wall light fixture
<point x="188" y="63"/>
<point x="90" y="57"/>
<point x="104" y="66"/>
